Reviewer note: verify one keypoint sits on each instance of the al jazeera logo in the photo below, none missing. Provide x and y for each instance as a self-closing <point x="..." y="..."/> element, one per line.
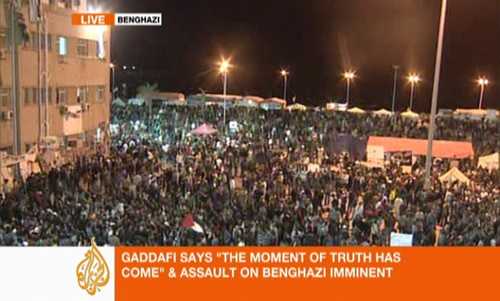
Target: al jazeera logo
<point x="93" y="271"/>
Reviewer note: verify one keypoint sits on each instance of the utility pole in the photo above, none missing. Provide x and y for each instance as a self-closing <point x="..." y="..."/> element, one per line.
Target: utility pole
<point x="396" y="68"/>
<point x="46" y="75"/>
<point x="435" y="94"/>
<point x="16" y="106"/>
<point x="39" y="78"/>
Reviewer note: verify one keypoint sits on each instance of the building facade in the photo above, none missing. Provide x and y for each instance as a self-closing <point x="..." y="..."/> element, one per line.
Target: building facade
<point x="75" y="74"/>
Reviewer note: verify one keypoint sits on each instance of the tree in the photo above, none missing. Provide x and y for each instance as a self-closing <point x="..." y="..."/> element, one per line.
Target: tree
<point x="146" y="91"/>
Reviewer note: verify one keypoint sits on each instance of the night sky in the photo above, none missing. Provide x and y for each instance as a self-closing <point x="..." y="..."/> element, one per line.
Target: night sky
<point x="316" y="40"/>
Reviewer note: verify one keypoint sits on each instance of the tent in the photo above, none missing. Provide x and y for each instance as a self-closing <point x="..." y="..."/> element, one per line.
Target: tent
<point x="118" y="102"/>
<point x="204" y="130"/>
<point x="356" y="110"/>
<point x="454" y="175"/>
<point x="410" y="114"/>
<point x="273" y="104"/>
<point x="382" y="112"/>
<point x="250" y="102"/>
<point x="490" y="162"/>
<point x="297" y="107"/>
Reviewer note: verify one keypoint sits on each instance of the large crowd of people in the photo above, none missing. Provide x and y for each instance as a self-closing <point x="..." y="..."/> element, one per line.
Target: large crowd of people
<point x="252" y="184"/>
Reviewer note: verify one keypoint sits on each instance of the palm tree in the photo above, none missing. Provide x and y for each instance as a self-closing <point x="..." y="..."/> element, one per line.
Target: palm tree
<point x="146" y="91"/>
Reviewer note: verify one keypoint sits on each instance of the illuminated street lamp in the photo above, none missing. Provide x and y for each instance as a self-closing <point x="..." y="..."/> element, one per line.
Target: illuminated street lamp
<point x="413" y="79"/>
<point x="285" y="74"/>
<point x="482" y="82"/>
<point x="349" y="76"/>
<point x="224" y="67"/>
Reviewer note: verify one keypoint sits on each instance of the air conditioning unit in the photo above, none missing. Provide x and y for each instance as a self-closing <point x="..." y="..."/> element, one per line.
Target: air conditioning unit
<point x="3" y="54"/>
<point x="7" y="115"/>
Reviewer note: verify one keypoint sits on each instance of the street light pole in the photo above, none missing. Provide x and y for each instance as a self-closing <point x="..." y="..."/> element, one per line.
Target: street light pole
<point x="224" y="66"/>
<point x="348" y="91"/>
<point x="435" y="94"/>
<point x="481" y="97"/>
<point x="396" y="67"/>
<point x="412" y="91"/>
<point x="112" y="66"/>
<point x="349" y="75"/>
<point x="284" y="73"/>
<point x="413" y="79"/>
<point x="483" y="82"/>
<point x="225" y="94"/>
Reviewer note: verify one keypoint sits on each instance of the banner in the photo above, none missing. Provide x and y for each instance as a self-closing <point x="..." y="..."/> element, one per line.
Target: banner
<point x="375" y="154"/>
<point x="401" y="240"/>
<point x="232" y="273"/>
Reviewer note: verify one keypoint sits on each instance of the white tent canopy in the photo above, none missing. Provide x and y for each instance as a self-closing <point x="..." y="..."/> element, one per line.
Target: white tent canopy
<point x="297" y="107"/>
<point x="356" y="110"/>
<point x="490" y="162"/>
<point x="410" y="114"/>
<point x="382" y="112"/>
<point x="454" y="175"/>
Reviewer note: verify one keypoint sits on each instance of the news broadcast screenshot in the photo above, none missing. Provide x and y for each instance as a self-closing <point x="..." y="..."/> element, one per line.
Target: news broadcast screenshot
<point x="235" y="150"/>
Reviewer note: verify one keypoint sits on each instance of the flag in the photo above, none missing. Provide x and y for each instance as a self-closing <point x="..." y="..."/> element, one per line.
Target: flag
<point x="188" y="222"/>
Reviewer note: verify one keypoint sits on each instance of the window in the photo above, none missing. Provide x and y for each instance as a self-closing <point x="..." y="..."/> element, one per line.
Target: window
<point x="98" y="51"/>
<point x="61" y="95"/>
<point x="32" y="43"/>
<point x="61" y="3"/>
<point x="50" y="95"/>
<point x="100" y="94"/>
<point x="34" y="95"/>
<point x="49" y="42"/>
<point x="3" y="39"/>
<point x="62" y="46"/>
<point x="82" y="94"/>
<point x="27" y="96"/>
<point x="76" y="4"/>
<point x="43" y="95"/>
<point x="82" y="48"/>
<point x="4" y="97"/>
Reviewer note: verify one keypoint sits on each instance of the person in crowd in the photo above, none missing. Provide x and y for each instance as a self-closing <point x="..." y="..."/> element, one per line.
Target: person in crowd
<point x="254" y="186"/>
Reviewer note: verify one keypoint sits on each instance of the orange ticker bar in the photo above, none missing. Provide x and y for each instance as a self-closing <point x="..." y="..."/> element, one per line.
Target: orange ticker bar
<point x="234" y="274"/>
<point x="93" y="19"/>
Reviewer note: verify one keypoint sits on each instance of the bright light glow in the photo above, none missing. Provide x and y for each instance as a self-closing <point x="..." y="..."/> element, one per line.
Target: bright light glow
<point x="101" y="52"/>
<point x="124" y="67"/>
<point x="414" y="78"/>
<point x="92" y="9"/>
<point x="224" y="66"/>
<point x="63" y="46"/>
<point x="112" y="66"/>
<point x="284" y="73"/>
<point x="482" y="81"/>
<point x="349" y="75"/>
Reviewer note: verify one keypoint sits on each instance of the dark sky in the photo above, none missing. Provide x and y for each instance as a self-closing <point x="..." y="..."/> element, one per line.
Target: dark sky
<point x="316" y="40"/>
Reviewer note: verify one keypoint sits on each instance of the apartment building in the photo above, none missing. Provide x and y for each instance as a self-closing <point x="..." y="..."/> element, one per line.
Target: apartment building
<point x="78" y="76"/>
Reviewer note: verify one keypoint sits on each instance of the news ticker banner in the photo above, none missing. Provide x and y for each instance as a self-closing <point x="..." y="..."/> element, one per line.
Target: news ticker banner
<point x="136" y="273"/>
<point x="117" y="19"/>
